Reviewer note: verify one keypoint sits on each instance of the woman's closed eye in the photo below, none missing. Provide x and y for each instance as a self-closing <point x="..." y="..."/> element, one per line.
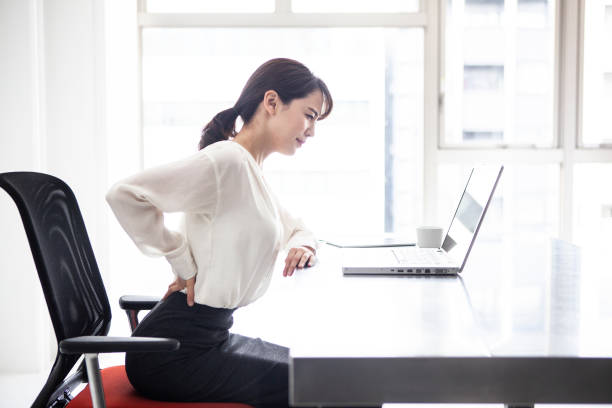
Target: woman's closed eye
<point x="310" y="117"/>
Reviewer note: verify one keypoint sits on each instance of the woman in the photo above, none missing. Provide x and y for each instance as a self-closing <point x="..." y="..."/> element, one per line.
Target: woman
<point x="233" y="229"/>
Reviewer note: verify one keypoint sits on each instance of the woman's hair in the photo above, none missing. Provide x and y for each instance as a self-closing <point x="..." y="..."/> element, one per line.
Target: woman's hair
<point x="290" y="79"/>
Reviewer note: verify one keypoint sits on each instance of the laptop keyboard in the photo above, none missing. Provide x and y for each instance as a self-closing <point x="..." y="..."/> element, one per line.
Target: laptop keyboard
<point x="421" y="256"/>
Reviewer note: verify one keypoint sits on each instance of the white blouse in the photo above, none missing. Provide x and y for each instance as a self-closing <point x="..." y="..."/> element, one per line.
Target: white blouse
<point x="233" y="229"/>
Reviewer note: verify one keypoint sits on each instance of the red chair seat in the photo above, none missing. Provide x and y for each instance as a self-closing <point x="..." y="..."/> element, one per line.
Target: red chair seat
<point x="119" y="393"/>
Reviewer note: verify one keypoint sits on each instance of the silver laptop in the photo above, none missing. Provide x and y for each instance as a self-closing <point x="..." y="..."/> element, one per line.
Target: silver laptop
<point x="456" y="246"/>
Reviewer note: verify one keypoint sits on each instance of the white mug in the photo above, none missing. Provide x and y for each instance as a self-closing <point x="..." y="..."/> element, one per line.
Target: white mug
<point x="429" y="237"/>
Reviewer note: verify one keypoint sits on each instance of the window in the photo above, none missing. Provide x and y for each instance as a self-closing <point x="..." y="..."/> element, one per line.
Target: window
<point x="525" y="203"/>
<point x="593" y="209"/>
<point x="364" y="159"/>
<point x="597" y="74"/>
<point x="498" y="83"/>
<point x="499" y="73"/>
<point x="592" y="217"/>
<point x="507" y="84"/>
<point x="504" y="97"/>
<point x="210" y="6"/>
<point x="355" y="6"/>
<point x="363" y="170"/>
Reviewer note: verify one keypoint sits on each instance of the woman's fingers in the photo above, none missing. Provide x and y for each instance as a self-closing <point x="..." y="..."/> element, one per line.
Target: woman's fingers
<point x="304" y="259"/>
<point x="297" y="257"/>
<point x="288" y="261"/>
<point x="312" y="260"/>
<point x="168" y="292"/>
<point x="190" y="291"/>
<point x="175" y="286"/>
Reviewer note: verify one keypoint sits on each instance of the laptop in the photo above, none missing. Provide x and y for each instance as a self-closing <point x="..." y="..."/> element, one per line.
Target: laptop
<point x="451" y="258"/>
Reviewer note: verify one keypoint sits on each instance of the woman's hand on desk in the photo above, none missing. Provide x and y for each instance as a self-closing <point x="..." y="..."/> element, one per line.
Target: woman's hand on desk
<point x="180" y="284"/>
<point x="299" y="257"/>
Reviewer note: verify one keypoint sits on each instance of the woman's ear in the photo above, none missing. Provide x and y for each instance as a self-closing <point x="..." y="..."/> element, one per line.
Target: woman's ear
<point x="271" y="102"/>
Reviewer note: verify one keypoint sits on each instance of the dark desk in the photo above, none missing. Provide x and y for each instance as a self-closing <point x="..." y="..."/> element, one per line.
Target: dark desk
<point x="526" y="323"/>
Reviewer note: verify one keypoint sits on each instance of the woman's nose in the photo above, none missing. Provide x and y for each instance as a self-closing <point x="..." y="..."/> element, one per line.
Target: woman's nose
<point x="310" y="131"/>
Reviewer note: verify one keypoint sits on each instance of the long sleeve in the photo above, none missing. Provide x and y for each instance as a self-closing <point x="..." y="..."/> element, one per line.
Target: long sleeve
<point x="295" y="233"/>
<point x="233" y="230"/>
<point x="139" y="203"/>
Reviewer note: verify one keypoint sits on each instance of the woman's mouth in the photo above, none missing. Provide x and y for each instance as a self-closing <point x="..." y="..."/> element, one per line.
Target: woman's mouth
<point x="300" y="142"/>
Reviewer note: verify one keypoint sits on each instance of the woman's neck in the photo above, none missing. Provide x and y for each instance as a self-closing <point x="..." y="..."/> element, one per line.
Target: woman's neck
<point x="254" y="142"/>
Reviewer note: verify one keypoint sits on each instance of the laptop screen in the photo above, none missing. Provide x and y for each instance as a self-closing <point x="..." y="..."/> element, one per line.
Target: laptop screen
<point x="470" y="211"/>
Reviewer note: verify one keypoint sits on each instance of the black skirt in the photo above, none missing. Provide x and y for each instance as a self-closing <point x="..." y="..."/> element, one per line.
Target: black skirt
<point x="212" y="364"/>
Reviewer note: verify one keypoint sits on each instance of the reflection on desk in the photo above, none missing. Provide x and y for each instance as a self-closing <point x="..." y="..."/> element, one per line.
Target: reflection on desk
<point x="515" y="326"/>
<point x="527" y="299"/>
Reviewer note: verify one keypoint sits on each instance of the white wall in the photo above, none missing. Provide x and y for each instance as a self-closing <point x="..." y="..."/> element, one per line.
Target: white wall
<point x="124" y="150"/>
<point x="52" y="119"/>
<point x="21" y="303"/>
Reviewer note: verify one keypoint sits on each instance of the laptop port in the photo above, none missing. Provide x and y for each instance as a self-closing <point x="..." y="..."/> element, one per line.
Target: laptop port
<point x="409" y="270"/>
<point x="426" y="270"/>
<point x="400" y="270"/>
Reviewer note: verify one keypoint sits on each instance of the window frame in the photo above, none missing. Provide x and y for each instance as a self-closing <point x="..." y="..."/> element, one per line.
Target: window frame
<point x="425" y="18"/>
<point x="567" y="149"/>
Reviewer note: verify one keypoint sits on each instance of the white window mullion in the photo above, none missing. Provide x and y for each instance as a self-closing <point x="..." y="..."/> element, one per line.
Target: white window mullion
<point x="596" y="155"/>
<point x="431" y="111"/>
<point x="568" y="108"/>
<point x="557" y="72"/>
<point x="503" y="156"/>
<point x="510" y="64"/>
<point x="141" y="9"/>
<point x="140" y="111"/>
<point x="282" y="6"/>
<point x="282" y="19"/>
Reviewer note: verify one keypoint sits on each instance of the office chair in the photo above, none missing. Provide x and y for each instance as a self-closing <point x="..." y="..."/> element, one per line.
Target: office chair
<point x="77" y="301"/>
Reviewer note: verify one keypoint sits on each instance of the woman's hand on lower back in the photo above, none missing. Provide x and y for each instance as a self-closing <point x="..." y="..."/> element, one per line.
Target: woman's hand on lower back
<point x="180" y="284"/>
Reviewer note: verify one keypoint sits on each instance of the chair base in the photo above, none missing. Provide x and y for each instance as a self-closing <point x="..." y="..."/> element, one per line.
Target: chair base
<point x="119" y="393"/>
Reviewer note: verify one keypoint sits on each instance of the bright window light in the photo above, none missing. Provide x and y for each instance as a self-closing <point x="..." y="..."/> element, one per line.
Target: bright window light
<point x="210" y="6"/>
<point x="364" y="161"/>
<point x="593" y="206"/>
<point x="597" y="74"/>
<point x="525" y="201"/>
<point x="499" y="72"/>
<point x="355" y="6"/>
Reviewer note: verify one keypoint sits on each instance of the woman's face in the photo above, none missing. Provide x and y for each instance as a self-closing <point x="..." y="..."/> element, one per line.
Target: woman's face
<point x="294" y="123"/>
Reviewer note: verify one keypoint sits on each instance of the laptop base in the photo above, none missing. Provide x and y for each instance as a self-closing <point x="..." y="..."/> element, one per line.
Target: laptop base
<point x="398" y="270"/>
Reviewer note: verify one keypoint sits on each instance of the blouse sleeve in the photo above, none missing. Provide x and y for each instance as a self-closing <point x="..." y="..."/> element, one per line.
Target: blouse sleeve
<point x="139" y="201"/>
<point x="295" y="233"/>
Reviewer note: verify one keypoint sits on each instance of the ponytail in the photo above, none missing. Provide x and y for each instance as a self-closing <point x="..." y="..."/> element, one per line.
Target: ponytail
<point x="221" y="127"/>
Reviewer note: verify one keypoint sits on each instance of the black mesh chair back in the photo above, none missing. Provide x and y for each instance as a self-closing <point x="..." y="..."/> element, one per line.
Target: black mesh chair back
<point x="65" y="261"/>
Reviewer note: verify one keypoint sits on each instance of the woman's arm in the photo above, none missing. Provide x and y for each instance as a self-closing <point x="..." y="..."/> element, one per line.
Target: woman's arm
<point x="139" y="203"/>
<point x="300" y="241"/>
<point x="295" y="232"/>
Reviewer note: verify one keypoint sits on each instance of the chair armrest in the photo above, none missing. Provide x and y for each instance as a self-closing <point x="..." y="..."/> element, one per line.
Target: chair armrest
<point x="136" y="302"/>
<point x="105" y="344"/>
<point x="133" y="304"/>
